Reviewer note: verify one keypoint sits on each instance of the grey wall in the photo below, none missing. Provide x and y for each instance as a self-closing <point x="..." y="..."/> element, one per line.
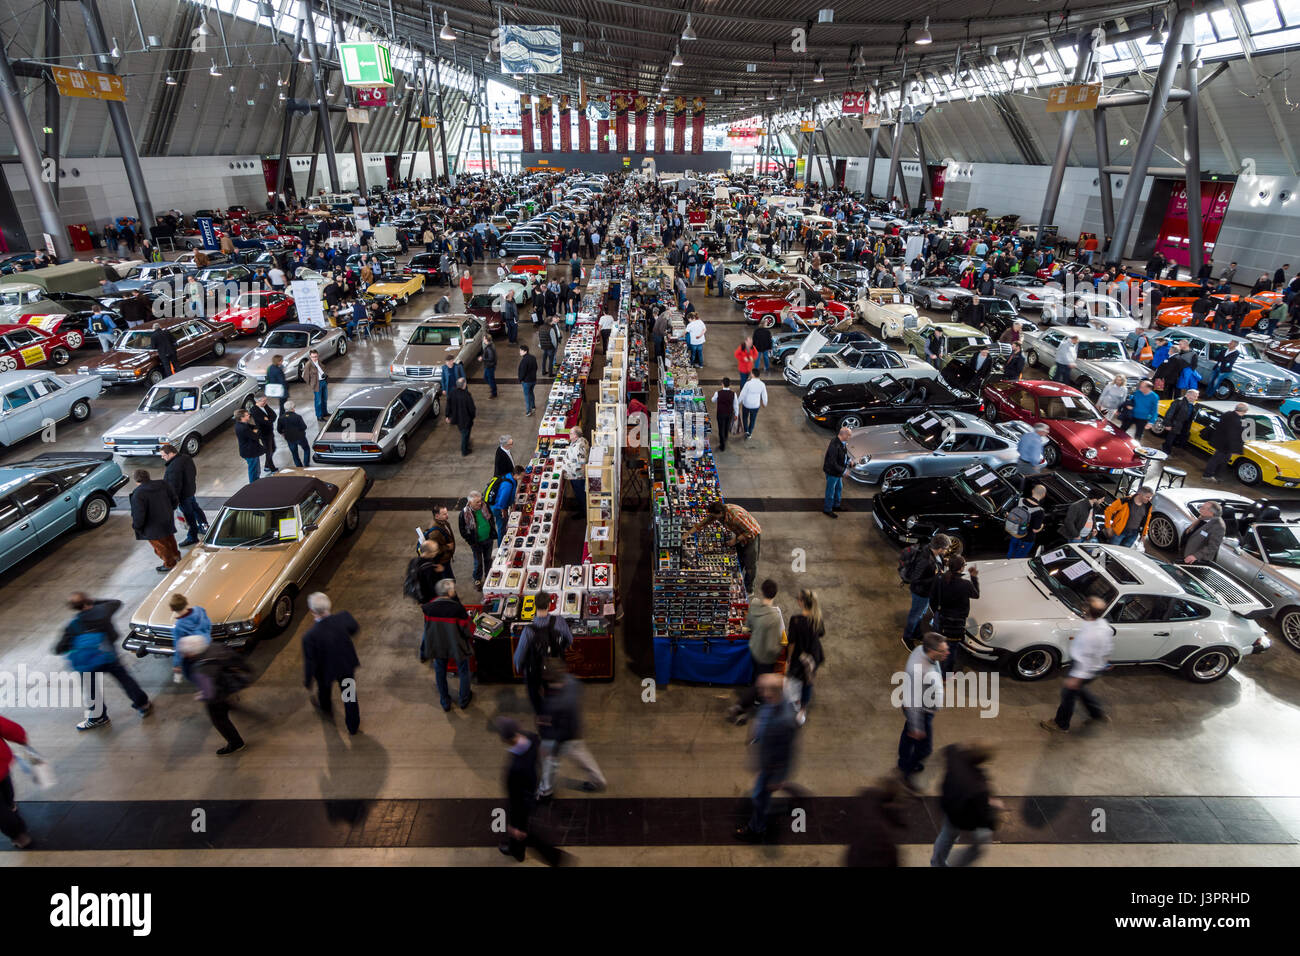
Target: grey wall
<point x="611" y="162"/>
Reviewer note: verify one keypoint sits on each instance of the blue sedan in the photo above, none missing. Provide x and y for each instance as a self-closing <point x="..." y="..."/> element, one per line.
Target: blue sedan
<point x="43" y="499"/>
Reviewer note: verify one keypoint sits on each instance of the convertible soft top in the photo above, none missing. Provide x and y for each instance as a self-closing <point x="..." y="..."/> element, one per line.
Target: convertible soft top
<point x="280" y="491"/>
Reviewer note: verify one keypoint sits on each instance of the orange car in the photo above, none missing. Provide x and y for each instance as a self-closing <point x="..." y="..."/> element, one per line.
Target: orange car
<point x="1182" y="314"/>
<point x="1178" y="292"/>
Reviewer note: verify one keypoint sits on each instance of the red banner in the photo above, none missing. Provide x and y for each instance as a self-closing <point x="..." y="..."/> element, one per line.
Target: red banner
<point x="566" y="125"/>
<point x="854" y="104"/>
<point x="661" y="124"/>
<point x="602" y="136"/>
<point x="697" y="139"/>
<point x="620" y="102"/>
<point x="371" y="95"/>
<point x="526" y="122"/>
<point x="680" y="106"/>
<point x="544" y="117"/>
<point x="1173" y="242"/>
<point x="641" y="107"/>
<point x="584" y="132"/>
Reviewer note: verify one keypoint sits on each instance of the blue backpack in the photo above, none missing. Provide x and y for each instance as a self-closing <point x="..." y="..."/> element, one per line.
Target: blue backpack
<point x="90" y="650"/>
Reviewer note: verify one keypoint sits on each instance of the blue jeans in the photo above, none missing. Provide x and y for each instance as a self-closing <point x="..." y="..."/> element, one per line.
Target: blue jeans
<point x="1020" y="547"/>
<point x="834" y="492"/>
<point x="1126" y="539"/>
<point x="319" y="397"/>
<point x="748" y="416"/>
<point x="765" y="357"/>
<point x="762" y="799"/>
<point x="440" y="677"/>
<point x="254" y="468"/>
<point x="920" y="602"/>
<point x="697" y="354"/>
<point x="303" y="459"/>
<point x="529" y="402"/>
<point x="1215" y="379"/>
<point x="502" y="516"/>
<point x="490" y="376"/>
<point x="948" y="836"/>
<point x="912" y="752"/>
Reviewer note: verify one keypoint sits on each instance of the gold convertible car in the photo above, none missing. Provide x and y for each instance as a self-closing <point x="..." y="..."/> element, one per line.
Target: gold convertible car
<point x="258" y="554"/>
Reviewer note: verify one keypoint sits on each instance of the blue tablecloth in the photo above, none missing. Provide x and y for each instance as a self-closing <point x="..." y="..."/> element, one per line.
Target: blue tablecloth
<point x="712" y="662"/>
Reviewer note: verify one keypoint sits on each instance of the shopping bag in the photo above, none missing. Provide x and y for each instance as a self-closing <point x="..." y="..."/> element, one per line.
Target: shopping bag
<point x="275" y="390"/>
<point x="34" y="765"/>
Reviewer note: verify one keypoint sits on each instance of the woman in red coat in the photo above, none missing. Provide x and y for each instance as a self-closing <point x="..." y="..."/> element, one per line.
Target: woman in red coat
<point x="11" y="824"/>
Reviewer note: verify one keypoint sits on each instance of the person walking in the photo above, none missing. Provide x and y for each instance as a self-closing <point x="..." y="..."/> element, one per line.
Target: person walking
<point x="502" y="497"/>
<point x="510" y="316"/>
<point x="89" y="641"/>
<point x="1178" y="419"/>
<point x="967" y="804"/>
<point x="447" y="631"/>
<point x="746" y="356"/>
<point x="219" y="674"/>
<point x="1090" y="650"/>
<point x="294" y="430"/>
<point x="505" y="461"/>
<point x="1112" y="398"/>
<point x="549" y="341"/>
<point x="477" y="530"/>
<point x="774" y="743"/>
<point x="918" y="573"/>
<point x="1141" y="408"/>
<point x="725" y="399"/>
<point x="1080" y="522"/>
<point x="1127" y="518"/>
<point x="1067" y="357"/>
<point x="806" y="656"/>
<point x="1014" y="366"/>
<point x="921" y="696"/>
<point x="742" y="533"/>
<point x="152" y="505"/>
<point x="165" y="345"/>
<point x="276" y="385"/>
<point x="460" y="412"/>
<point x="181" y="478"/>
<point x="521" y="783"/>
<point x="1030" y="460"/>
<point x="527" y="378"/>
<point x="12" y="824"/>
<point x="329" y="657"/>
<point x="186" y="620"/>
<point x="489" y="358"/>
<point x="835" y="465"/>
<point x="315" y="379"/>
<point x="695" y="336"/>
<point x="766" y="625"/>
<point x="263" y="417"/>
<point x="249" y="441"/>
<point x="950" y="598"/>
<point x="544" y="638"/>
<point x="561" y="732"/>
<point x="762" y="342"/>
<point x="753" y="396"/>
<point x="1203" y="538"/>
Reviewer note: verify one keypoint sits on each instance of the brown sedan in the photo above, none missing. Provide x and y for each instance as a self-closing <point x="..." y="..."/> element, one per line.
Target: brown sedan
<point x="134" y="359"/>
<point x="1284" y="354"/>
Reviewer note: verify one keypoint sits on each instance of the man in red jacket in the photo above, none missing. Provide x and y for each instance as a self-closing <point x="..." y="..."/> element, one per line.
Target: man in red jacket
<point x="11" y="824"/>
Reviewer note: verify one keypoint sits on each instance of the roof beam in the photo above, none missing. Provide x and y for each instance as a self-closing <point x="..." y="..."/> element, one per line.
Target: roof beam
<point x="1266" y="92"/>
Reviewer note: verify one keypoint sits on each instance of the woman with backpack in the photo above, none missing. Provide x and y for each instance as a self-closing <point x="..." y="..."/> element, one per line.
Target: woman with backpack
<point x="950" y="599"/>
<point x="804" y="633"/>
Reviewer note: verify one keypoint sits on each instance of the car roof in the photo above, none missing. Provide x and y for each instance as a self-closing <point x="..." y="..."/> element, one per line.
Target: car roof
<point x="1218" y="405"/>
<point x="1039" y="387"/>
<point x="20" y="286"/>
<point x="279" y="491"/>
<point x="1204" y="335"/>
<point x="446" y="318"/>
<point x="373" y="395"/>
<point x="14" y="379"/>
<point x="1152" y="579"/>
<point x="195" y="375"/>
<point x="1082" y="331"/>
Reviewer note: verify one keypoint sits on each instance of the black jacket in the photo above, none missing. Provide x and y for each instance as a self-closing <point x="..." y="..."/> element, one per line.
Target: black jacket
<point x="528" y="370"/>
<point x="249" y="440"/>
<point x="152" y="505"/>
<point x="292" y="427"/>
<point x="836" y="461"/>
<point x="950" y="600"/>
<point x="965" y="795"/>
<point x="180" y="476"/>
<point x="504" y="463"/>
<point x="1178" y="416"/>
<point x="460" y="408"/>
<point x="763" y="339"/>
<point x="1227" y="434"/>
<point x="921" y="571"/>
<point x="96" y="618"/>
<point x="804" y="639"/>
<point x="328" y="653"/>
<point x="264" y="419"/>
<point x="489" y="355"/>
<point x="275" y="375"/>
<point x="521" y="784"/>
<point x="165" y="346"/>
<point x="562" y="709"/>
<point x="1015" y="367"/>
<point x="1076" y="516"/>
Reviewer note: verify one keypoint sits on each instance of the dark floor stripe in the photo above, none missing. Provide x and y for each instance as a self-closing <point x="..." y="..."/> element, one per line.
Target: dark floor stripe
<point x="422" y="503"/>
<point x="579" y="822"/>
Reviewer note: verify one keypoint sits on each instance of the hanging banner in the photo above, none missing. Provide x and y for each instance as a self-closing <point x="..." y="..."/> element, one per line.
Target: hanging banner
<point x="566" y="125"/>
<point x="602" y="136"/>
<point x="428" y="122"/>
<point x="620" y="102"/>
<point x="871" y="121"/>
<point x="208" y="233"/>
<point x="680" y="107"/>
<point x="371" y="96"/>
<point x="1080" y="96"/>
<point x="697" y="141"/>
<point x="641" y="110"/>
<point x="584" y="130"/>
<point x="526" y="121"/>
<point x="358" y="115"/>
<point x="853" y="104"/>
<point x="661" y="127"/>
<point x="87" y="84"/>
<point x="1173" y="241"/>
<point x="544" y="121"/>
<point x="530" y="49"/>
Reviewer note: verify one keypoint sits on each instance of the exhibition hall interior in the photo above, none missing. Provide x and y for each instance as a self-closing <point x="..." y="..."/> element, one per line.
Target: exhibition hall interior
<point x="683" y="433"/>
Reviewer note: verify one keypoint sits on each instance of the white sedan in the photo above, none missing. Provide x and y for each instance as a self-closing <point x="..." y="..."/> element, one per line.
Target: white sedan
<point x="1192" y="618"/>
<point x="1102" y="312"/>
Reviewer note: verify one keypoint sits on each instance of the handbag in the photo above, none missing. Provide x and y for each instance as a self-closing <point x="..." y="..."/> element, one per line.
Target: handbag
<point x="274" y="390"/>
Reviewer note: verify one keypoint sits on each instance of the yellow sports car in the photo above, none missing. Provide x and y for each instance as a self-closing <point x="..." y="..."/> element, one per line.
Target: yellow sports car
<point x="400" y="288"/>
<point x="257" y="555"/>
<point x="1271" y="451"/>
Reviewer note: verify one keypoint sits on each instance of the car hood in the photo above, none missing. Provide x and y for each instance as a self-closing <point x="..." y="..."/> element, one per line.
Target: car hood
<point x="1265" y="370"/>
<point x="878" y="440"/>
<point x="119" y="359"/>
<point x="258" y="360"/>
<point x="1113" y="367"/>
<point x="424" y="354"/>
<point x="1283" y="455"/>
<point x="925" y="498"/>
<point x="149" y="425"/>
<point x="236" y="315"/>
<point x="848" y="395"/>
<point x="228" y="583"/>
<point x="1009" y="593"/>
<point x="1113" y="451"/>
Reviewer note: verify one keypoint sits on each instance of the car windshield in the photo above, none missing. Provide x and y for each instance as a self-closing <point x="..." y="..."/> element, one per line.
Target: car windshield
<point x="252" y="527"/>
<point x="19" y="298"/>
<point x="1101" y="350"/>
<point x="138" y="340"/>
<point x="985" y="490"/>
<point x="165" y="399"/>
<point x="1281" y="543"/>
<point x="1069" y="408"/>
<point x="434" y="335"/>
<point x="286" y="340"/>
<point x="1216" y="349"/>
<point x="1072" y="579"/>
<point x="247" y="301"/>
<point x="359" y="420"/>
<point x="926" y="430"/>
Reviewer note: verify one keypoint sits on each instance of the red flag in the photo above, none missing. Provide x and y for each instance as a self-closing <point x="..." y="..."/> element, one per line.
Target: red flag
<point x="566" y="125"/>
<point x="641" y="107"/>
<point x="526" y="122"/>
<point x="697" y="140"/>
<point x="602" y="136"/>
<point x="544" y="112"/>
<point x="621" y="102"/>
<point x="661" y="122"/>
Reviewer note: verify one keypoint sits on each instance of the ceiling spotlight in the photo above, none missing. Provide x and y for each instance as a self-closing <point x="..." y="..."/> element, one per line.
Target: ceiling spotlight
<point x="171" y="80"/>
<point x="446" y="33"/>
<point x="861" y="61"/>
<point x="577" y="46"/>
<point x="283" y="96"/>
<point x="717" y="92"/>
<point x="487" y="57"/>
<point x="81" y="64"/>
<point x="826" y="15"/>
<point x="688" y="32"/>
<point x="818" y="77"/>
<point x="924" y="38"/>
<point x="1159" y="30"/>
<point x="303" y="55"/>
<point x="279" y="80"/>
<point x="152" y="41"/>
<point x="115" y="53"/>
<point x="214" y="71"/>
<point x="599" y="80"/>
<point x="791" y="88"/>
<point x="204" y="29"/>
<point x="264" y="9"/>
<point x="664" y="86"/>
<point x="771" y="94"/>
<point x="232" y="87"/>
<point x="677" y="57"/>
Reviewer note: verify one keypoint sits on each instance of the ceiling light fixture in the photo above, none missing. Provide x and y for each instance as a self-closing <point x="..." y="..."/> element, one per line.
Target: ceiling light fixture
<point x="204" y="29"/>
<point x="688" y="32"/>
<point x="677" y="56"/>
<point x="577" y="46"/>
<point x="279" y="80"/>
<point x="171" y="80"/>
<point x="214" y="71"/>
<point x="924" y="38"/>
<point x="826" y="15"/>
<point x="303" y="55"/>
<point x="861" y="61"/>
<point x="818" y="77"/>
<point x="771" y="94"/>
<point x="115" y="53"/>
<point x="446" y="33"/>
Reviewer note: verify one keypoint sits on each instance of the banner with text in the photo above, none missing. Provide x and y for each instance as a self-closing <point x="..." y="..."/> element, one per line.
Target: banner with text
<point x="620" y="102"/>
<point x="526" y="121"/>
<point x="544" y="114"/>
<point x="853" y="104"/>
<point x="566" y="125"/>
<point x="697" y="140"/>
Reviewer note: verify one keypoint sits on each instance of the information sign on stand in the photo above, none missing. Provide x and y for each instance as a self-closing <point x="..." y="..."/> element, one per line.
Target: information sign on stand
<point x="306" y="298"/>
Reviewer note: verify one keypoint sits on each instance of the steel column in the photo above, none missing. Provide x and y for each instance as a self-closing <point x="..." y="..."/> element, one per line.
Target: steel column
<point x="1103" y="177"/>
<point x="1192" y="160"/>
<point x="871" y="160"/>
<point x="481" y="96"/>
<point x="52" y="112"/>
<point x="121" y="122"/>
<point x="315" y="155"/>
<point x="491" y="163"/>
<point x="1147" y="137"/>
<point x="282" y="174"/>
<point x="896" y="154"/>
<point x="1068" y="123"/>
<point x="323" y="131"/>
<point x="442" y="119"/>
<point x="927" y="192"/>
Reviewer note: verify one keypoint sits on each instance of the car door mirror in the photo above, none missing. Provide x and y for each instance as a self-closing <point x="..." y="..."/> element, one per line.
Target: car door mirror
<point x="308" y="529"/>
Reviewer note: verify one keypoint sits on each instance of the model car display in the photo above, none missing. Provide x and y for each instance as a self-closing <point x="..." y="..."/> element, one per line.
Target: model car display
<point x="1270" y="448"/>
<point x="1078" y="437"/>
<point x="1251" y="376"/>
<point x="375" y="423"/>
<point x="941" y="444"/>
<point x="294" y="342"/>
<point x="182" y="410"/>
<point x="254" y="312"/>
<point x="420" y="358"/>
<point x="133" y="359"/>
<point x="890" y="398"/>
<point x="812" y="369"/>
<point x="1101" y="357"/>
<point x="23" y="346"/>
<point x="259" y="552"/>
<point x="32" y="400"/>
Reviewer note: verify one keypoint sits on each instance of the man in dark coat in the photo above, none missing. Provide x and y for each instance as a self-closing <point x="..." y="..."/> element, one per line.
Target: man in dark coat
<point x="250" y="445"/>
<point x="967" y="804"/>
<point x="1227" y="439"/>
<point x="461" y="412"/>
<point x="1169" y="370"/>
<point x="1178" y="419"/>
<point x="152" y="504"/>
<point x="521" y="794"/>
<point x="165" y="346"/>
<point x="1015" y="365"/>
<point x="505" y="462"/>
<point x="835" y="465"/>
<point x="294" y="429"/>
<point x="774" y="730"/>
<point x="447" y="630"/>
<point x="329" y="657"/>
<point x="181" y="477"/>
<point x="263" y="417"/>
<point x="275" y="380"/>
<point x="527" y="379"/>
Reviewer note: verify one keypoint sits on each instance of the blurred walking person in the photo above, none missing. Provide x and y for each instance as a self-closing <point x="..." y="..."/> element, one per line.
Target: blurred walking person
<point x="561" y="729"/>
<point x="521" y="783"/>
<point x="1090" y="650"/>
<point x="89" y="641"/>
<point x="773" y="739"/>
<point x="329" y="657"/>
<point x="219" y="673"/>
<point x="11" y="823"/>
<point x="967" y="803"/>
<point x="447" y="630"/>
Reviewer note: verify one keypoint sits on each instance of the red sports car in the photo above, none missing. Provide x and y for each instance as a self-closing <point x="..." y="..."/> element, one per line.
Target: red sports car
<point x="254" y="312"/>
<point x="534" y="264"/>
<point x="24" y="346"/>
<point x="1078" y="436"/>
<point x="769" y="311"/>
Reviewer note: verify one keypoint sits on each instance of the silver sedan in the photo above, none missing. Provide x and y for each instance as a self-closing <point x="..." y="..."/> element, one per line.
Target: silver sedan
<point x="375" y="424"/>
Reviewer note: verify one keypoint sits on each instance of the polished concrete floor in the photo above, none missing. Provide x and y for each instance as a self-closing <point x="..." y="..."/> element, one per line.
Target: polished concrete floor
<point x="1169" y="738"/>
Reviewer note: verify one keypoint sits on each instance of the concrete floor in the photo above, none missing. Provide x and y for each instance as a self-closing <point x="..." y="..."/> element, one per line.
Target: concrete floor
<point x="1168" y="737"/>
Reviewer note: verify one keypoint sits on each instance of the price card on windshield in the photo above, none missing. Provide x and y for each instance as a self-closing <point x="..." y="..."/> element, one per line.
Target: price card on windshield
<point x="1068" y="401"/>
<point x="288" y="529"/>
<point x="930" y="422"/>
<point x="1077" y="570"/>
<point x="455" y="343"/>
<point x="189" y="403"/>
<point x="986" y="479"/>
<point x="1051" y="556"/>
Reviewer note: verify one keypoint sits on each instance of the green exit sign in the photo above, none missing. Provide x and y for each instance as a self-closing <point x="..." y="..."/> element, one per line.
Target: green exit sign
<point x="47" y="130"/>
<point x="366" y="64"/>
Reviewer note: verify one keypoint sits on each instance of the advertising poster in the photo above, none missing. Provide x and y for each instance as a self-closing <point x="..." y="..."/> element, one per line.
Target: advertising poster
<point x="306" y="298"/>
<point x="526" y="121"/>
<point x="208" y="233"/>
<point x="697" y="140"/>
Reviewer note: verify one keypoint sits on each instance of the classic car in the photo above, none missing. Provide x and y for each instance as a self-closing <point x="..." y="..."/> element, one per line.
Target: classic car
<point x="191" y="259"/>
<point x="72" y="329"/>
<point x="42" y="499"/>
<point x="1285" y="353"/>
<point x="303" y="274"/>
<point x="31" y="400"/>
<point x="770" y="312"/>
<point x="24" y="298"/>
<point x="147" y="274"/>
<point x="994" y="318"/>
<point x="1251" y="376"/>
<point x="427" y="264"/>
<point x="950" y="336"/>
<point x="1177" y="293"/>
<point x="518" y="242"/>
<point x="388" y="264"/>
<point x="375" y="423"/>
<point x="937" y="293"/>
<point x="420" y="358"/>
<point x="399" y="287"/>
<point x="256" y="557"/>
<point x="1102" y="312"/>
<point x="228" y="278"/>
<point x="294" y="342"/>
<point x="928" y="444"/>
<point x="535" y="265"/>
<point x="880" y="401"/>
<point x="810" y="368"/>
<point x="845" y="281"/>
<point x="958" y="368"/>
<point x="521" y="284"/>
<point x="182" y="410"/>
<point x="1259" y="548"/>
<point x="1078" y="437"/>
<point x="743" y="261"/>
<point x="1270" y="448"/>
<point x="254" y="312"/>
<point x="1259" y="304"/>
<point x="888" y="312"/>
<point x="1190" y="618"/>
<point x="133" y="359"/>
<point x="746" y="285"/>
<point x="971" y="507"/>
<point x="1028" y="292"/>
<point x="24" y="346"/>
<point x="785" y="344"/>
<point x="1101" y="357"/>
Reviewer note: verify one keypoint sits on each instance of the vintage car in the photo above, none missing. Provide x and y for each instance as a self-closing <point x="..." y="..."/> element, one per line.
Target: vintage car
<point x="133" y="359"/>
<point x="971" y="507"/>
<point x="147" y="274"/>
<point x="748" y="262"/>
<point x="376" y="423"/>
<point x="1176" y="293"/>
<point x="1259" y="305"/>
<point x="770" y="312"/>
<point x="810" y="368"/>
<point x="845" y="281"/>
<point x="1285" y="353"/>
<point x="534" y="265"/>
<point x="399" y="287"/>
<point x="420" y="358"/>
<point x="1101" y="357"/>
<point x="520" y="242"/>
<point x="32" y="400"/>
<point x="1102" y="312"/>
<point x="1078" y="437"/>
<point x="181" y="411"/>
<point x="254" y="312"/>
<point x="993" y="318"/>
<point x="1190" y="618"/>
<point x="888" y="399"/>
<point x="1028" y="292"/>
<point x="1270" y="448"/>
<point x="293" y="341"/>
<point x="256" y="557"/>
<point x="44" y="498"/>
<point x="785" y="344"/>
<point x="357" y="261"/>
<point x="746" y="285"/>
<point x="937" y="293"/>
<point x="928" y="444"/>
<point x="24" y="346"/>
<point x="888" y="312"/>
<point x="1251" y="376"/>
<point x="950" y="337"/>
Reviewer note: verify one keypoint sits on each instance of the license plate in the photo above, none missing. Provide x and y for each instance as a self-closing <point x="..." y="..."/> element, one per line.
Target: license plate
<point x="345" y="448"/>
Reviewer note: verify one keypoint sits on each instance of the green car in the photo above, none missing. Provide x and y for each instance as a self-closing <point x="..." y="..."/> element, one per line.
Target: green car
<point x="952" y="337"/>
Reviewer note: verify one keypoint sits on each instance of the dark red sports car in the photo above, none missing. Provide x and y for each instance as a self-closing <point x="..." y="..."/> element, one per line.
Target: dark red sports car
<point x="254" y="312"/>
<point x="1079" y="438"/>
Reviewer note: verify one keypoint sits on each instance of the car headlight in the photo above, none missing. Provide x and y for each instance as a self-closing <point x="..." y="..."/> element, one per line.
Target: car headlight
<point x="1090" y="453"/>
<point x="911" y="522"/>
<point x="395" y="369"/>
<point x="241" y="627"/>
<point x="986" y="632"/>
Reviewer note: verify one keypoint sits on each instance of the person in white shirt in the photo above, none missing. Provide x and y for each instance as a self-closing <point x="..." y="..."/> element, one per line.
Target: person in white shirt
<point x="753" y="396"/>
<point x="277" y="278"/>
<point x="1067" y="356"/>
<point x="606" y="326"/>
<point x="695" y="331"/>
<point x="921" y="696"/>
<point x="1090" y="651"/>
<point x="574" y="466"/>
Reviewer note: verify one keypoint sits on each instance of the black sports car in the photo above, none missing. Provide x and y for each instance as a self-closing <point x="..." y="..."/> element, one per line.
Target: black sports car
<point x="885" y="401"/>
<point x="993" y="319"/>
<point x="972" y="506"/>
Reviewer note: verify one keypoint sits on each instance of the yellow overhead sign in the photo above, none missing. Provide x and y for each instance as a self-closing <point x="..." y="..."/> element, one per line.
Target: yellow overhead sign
<point x="88" y="85"/>
<point x="428" y="122"/>
<point x="807" y="127"/>
<point x="1080" y="96"/>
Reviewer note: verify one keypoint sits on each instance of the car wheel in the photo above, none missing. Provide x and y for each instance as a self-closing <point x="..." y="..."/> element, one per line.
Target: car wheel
<point x="80" y="410"/>
<point x="1248" y="472"/>
<point x="301" y="371"/>
<point x="73" y="339"/>
<point x="281" y="612"/>
<point x="1087" y="386"/>
<point x="435" y="410"/>
<point x="189" y="245"/>
<point x="895" y="473"/>
<point x="1008" y="471"/>
<point x="219" y="349"/>
<point x="1033" y="663"/>
<point x="156" y="376"/>
<point x="818" y="383"/>
<point x="261" y="327"/>
<point x="851" y="421"/>
<point x="1051" y="454"/>
<point x="191" y="444"/>
<point x="343" y="345"/>
<point x="1031" y="356"/>
<point x="1208" y="665"/>
<point x="95" y="509"/>
<point x="1162" y="533"/>
<point x="399" y="450"/>
<point x="1225" y="390"/>
<point x="991" y="412"/>
<point x="1288" y="623"/>
<point x="1015" y="302"/>
<point x="60" y="356"/>
<point x="249" y="402"/>
<point x="351" y="520"/>
<point x="1294" y="421"/>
